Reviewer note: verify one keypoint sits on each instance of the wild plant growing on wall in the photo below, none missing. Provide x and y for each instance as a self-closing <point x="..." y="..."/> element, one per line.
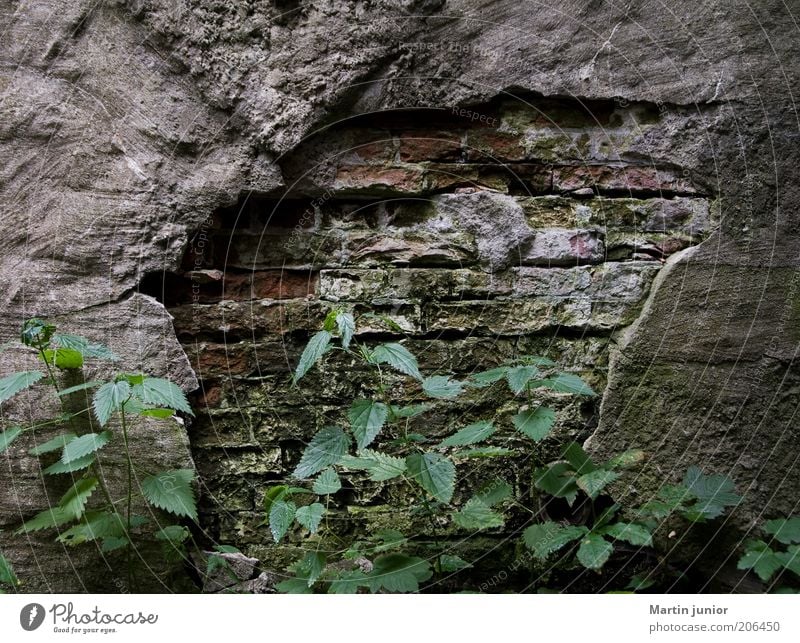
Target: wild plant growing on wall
<point x="93" y="419"/>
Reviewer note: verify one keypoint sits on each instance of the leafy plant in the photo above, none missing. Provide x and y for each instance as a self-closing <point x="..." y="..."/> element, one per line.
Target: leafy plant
<point x="88" y="511"/>
<point x="8" y="579"/>
<point x="374" y="441"/>
<point x="779" y="552"/>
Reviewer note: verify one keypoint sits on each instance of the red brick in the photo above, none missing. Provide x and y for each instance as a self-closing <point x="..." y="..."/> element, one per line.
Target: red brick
<point x="488" y="146"/>
<point x="223" y="359"/>
<point x="430" y="145"/>
<point x="270" y="284"/>
<point x="366" y="179"/>
<point x="631" y="178"/>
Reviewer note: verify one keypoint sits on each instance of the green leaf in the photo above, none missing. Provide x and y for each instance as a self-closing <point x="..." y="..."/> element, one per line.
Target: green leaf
<point x="557" y="479"/>
<point x="449" y="563"/>
<point x="172" y="492"/>
<point x="56" y="444"/>
<point x="636" y="535"/>
<point x="161" y="414"/>
<point x="626" y="459"/>
<point x="398" y="573"/>
<point x="327" y="447"/>
<point x="162" y="393"/>
<point x="761" y="559"/>
<point x="272" y="495"/>
<point x="36" y="332"/>
<point x="74" y="501"/>
<point x="7" y="575"/>
<point x="173" y="534"/>
<point x="113" y="543"/>
<point x="535" y="424"/>
<point x="83" y="346"/>
<point x="348" y="582"/>
<point x="347" y="328"/>
<point x="594" y="551"/>
<point x="380" y="466"/>
<point x="47" y="519"/>
<point x="593" y="483"/>
<point x="442" y="387"/>
<point x="78" y="387"/>
<point x="537" y="361"/>
<point x="433" y="472"/>
<point x="317" y="346"/>
<point x="784" y="530"/>
<point x="109" y="398"/>
<point x="494" y="492"/>
<point x="579" y="459"/>
<point x="367" y="418"/>
<point x="410" y="411"/>
<point x="281" y="515"/>
<point x="63" y="358"/>
<point x="714" y="493"/>
<point x="639" y="583"/>
<point x="668" y="499"/>
<point x="94" y="525"/>
<point x="549" y="537"/>
<point x="519" y="376"/>
<point x="470" y="434"/>
<point x="791" y="559"/>
<point x="327" y="483"/>
<point x="310" y="516"/>
<point x="16" y="382"/>
<point x="311" y="567"/>
<point x="477" y="515"/>
<point x="76" y="465"/>
<point x="8" y="436"/>
<point x="567" y="383"/>
<point x="398" y="357"/>
<point x="84" y="445"/>
<point x="485" y="378"/>
<point x="485" y="452"/>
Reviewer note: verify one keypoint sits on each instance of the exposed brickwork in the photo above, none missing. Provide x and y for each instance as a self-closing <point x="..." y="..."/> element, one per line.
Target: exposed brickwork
<point x="478" y="244"/>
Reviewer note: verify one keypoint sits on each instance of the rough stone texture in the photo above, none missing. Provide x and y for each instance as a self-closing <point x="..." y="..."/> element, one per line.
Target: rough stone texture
<point x="125" y="125"/>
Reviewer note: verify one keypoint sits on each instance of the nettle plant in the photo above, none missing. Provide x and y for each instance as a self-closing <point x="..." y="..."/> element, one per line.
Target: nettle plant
<point x="780" y="551"/>
<point x="8" y="579"/>
<point x="89" y="510"/>
<point x="375" y="441"/>
<point x="698" y="499"/>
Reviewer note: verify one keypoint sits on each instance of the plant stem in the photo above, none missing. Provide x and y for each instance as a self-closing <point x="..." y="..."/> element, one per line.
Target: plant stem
<point x="130" y="492"/>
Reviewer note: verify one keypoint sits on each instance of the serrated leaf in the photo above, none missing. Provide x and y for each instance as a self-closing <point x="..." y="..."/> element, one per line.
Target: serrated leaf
<point x="790" y="559"/>
<point x="47" y="519"/>
<point x="567" y="383"/>
<point x="311" y="567"/>
<point x="433" y="472"/>
<point x="784" y="530"/>
<point x="485" y="452"/>
<point x="477" y="515"/>
<point x="537" y="361"/>
<point x="162" y="393"/>
<point x="73" y="502"/>
<point x="594" y="482"/>
<point x="578" y="458"/>
<point x="548" y="537"/>
<point x="494" y="492"/>
<point x="281" y="515"/>
<point x="348" y="582"/>
<point x="714" y="494"/>
<point x="470" y="434"/>
<point x="79" y="387"/>
<point x="94" y="525"/>
<point x="381" y="467"/>
<point x="413" y="410"/>
<point x="398" y="357"/>
<point x="626" y="459"/>
<point x="449" y="563"/>
<point x="310" y="516"/>
<point x="83" y="346"/>
<point x="557" y="479"/>
<point x="8" y="436"/>
<point x="109" y="398"/>
<point x="367" y="418"/>
<point x="327" y="483"/>
<point x="761" y="559"/>
<point x="536" y="424"/>
<point x="113" y="543"/>
<point x="83" y="445"/>
<point x="76" y="465"/>
<point x="173" y="534"/>
<point x="442" y="387"/>
<point x="12" y="384"/>
<point x="272" y="495"/>
<point x="317" y="346"/>
<point x="485" y="378"/>
<point x="171" y="491"/>
<point x="327" y="447"/>
<point x="519" y="376"/>
<point x="636" y="535"/>
<point x="347" y="328"/>
<point x="7" y="575"/>
<point x="398" y="573"/>
<point x="594" y="551"/>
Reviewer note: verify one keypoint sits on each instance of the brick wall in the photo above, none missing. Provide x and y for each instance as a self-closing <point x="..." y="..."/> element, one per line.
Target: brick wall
<point x="482" y="233"/>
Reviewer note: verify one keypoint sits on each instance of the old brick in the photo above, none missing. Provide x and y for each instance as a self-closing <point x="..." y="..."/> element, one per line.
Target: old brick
<point x="376" y="180"/>
<point x="559" y="247"/>
<point x="430" y="145"/>
<point x="623" y="179"/>
<point x="492" y="146"/>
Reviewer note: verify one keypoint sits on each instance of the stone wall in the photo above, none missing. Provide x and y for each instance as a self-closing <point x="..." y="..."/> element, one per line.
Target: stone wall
<point x="526" y="229"/>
